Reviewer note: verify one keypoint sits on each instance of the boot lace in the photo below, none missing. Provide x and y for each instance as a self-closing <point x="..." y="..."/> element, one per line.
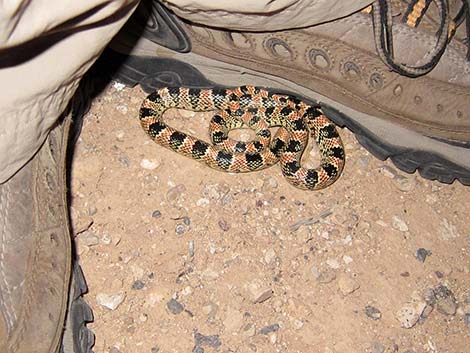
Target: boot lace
<point x="382" y="21"/>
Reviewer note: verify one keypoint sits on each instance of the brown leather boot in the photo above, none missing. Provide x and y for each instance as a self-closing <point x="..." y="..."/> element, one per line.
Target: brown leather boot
<point x="40" y="289"/>
<point x="396" y="74"/>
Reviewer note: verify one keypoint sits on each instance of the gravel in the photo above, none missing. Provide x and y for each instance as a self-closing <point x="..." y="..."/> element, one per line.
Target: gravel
<point x="156" y="214"/>
<point x="138" y="284"/>
<point x="174" y="306"/>
<point x="372" y="312"/>
<point x="268" y="329"/>
<point x="422" y="253"/>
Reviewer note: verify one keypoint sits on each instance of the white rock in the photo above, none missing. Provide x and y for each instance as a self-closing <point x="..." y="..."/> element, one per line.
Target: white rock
<point x="447" y="230"/>
<point x="149" y="164"/>
<point x="120" y="135"/>
<point x="88" y="238"/>
<point x="298" y="324"/>
<point x="202" y="202"/>
<point x="122" y="108"/>
<point x="119" y="86"/>
<point x="258" y="291"/>
<point x="347" y="240"/>
<point x="399" y="224"/>
<point x="389" y="172"/>
<point x="106" y="239"/>
<point x="110" y="301"/>
<point x="409" y="314"/>
<point x="269" y="256"/>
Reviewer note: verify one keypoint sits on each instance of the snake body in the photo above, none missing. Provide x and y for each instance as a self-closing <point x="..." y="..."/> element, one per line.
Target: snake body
<point x="259" y="109"/>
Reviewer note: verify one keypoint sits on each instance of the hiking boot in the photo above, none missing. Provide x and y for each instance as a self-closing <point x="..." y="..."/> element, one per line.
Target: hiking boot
<point x="40" y="289"/>
<point x="409" y="102"/>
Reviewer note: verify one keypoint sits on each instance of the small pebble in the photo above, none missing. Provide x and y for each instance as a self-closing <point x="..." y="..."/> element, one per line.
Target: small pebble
<point x="249" y="330"/>
<point x="422" y="253"/>
<point x="118" y="86"/>
<point x="466" y="318"/>
<point x="426" y="312"/>
<point x="174" y="306"/>
<point x="264" y="296"/>
<point x="223" y="225"/>
<point x="191" y="248"/>
<point x="180" y="229"/>
<point x="120" y="135"/>
<point x="259" y="291"/>
<point x="155" y="349"/>
<point x="448" y="230"/>
<point x="272" y="182"/>
<point x="377" y="347"/>
<point x="445" y="301"/>
<point x="106" y="239"/>
<point x="124" y="160"/>
<point x="88" y="238"/>
<point x="268" y="329"/>
<point x="186" y="221"/>
<point x="202" y="202"/>
<point x="404" y="184"/>
<point x="149" y="164"/>
<point x="137" y="285"/>
<point x="389" y="172"/>
<point x="269" y="256"/>
<point x="110" y="301"/>
<point x="411" y="311"/>
<point x="92" y="210"/>
<point x="210" y="341"/>
<point x="156" y="214"/>
<point x="226" y="199"/>
<point x="372" y="312"/>
<point x="399" y="224"/>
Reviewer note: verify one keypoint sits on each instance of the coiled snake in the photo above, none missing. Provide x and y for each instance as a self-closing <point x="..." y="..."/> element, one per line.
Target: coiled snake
<point x="259" y="109"/>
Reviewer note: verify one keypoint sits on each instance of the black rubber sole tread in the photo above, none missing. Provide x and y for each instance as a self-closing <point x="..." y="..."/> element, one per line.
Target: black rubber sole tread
<point x="152" y="73"/>
<point x="77" y="337"/>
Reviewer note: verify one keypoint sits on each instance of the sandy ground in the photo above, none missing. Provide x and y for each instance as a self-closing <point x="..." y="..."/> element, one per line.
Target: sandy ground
<point x="181" y="258"/>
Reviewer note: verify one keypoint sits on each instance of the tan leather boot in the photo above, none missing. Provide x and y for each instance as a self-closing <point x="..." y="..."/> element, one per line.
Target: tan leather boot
<point x="40" y="290"/>
<point x="409" y="101"/>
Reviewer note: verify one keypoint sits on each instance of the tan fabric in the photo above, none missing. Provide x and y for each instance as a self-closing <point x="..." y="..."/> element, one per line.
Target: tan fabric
<point x="47" y="45"/>
<point x="264" y="15"/>
<point x="45" y="48"/>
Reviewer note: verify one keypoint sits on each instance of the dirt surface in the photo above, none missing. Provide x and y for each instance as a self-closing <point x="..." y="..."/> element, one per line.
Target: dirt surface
<point x="181" y="258"/>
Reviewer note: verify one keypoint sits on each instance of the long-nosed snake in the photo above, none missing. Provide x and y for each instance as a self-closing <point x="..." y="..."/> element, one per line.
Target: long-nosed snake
<point x="260" y="109"/>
